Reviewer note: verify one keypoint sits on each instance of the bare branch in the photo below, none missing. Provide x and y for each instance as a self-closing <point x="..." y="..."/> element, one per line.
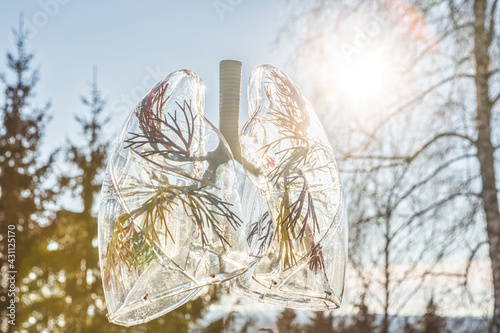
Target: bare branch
<point x="399" y="160"/>
<point x="491" y="32"/>
<point x="433" y="174"/>
<point x="437" y="137"/>
<point x="370" y="169"/>
<point x="377" y="157"/>
<point x="411" y="293"/>
<point x="429" y="208"/>
<point x="469" y="261"/>
<point x="421" y="56"/>
<point x="410" y="158"/>
<point x="495" y="100"/>
<point x="418" y="98"/>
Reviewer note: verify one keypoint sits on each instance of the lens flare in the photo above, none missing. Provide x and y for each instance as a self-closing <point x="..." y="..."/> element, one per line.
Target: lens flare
<point x="414" y="25"/>
<point x="363" y="81"/>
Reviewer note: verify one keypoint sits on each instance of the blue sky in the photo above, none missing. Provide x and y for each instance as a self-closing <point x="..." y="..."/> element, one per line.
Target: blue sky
<point x="134" y="44"/>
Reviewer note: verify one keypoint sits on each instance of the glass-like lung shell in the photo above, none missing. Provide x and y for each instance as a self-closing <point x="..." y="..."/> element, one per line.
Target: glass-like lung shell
<point x="287" y="155"/>
<point x="169" y="171"/>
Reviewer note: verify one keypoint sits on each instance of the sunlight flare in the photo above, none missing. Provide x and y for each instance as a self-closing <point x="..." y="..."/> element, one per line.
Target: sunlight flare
<point x="364" y="80"/>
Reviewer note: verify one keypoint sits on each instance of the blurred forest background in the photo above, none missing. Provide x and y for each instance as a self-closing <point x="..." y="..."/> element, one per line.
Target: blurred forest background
<point x="409" y="93"/>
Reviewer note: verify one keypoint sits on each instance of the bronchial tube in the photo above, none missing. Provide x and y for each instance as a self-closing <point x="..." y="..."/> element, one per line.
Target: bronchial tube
<point x="229" y="103"/>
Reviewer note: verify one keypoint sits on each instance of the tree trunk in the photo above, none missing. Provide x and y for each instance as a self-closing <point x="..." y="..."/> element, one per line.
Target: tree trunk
<point x="384" y="326"/>
<point x="485" y="149"/>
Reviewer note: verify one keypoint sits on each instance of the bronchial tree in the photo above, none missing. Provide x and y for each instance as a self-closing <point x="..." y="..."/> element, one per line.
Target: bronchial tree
<point x="22" y="195"/>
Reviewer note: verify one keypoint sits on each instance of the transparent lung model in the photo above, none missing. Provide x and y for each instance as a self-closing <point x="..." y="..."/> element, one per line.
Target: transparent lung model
<point x="170" y="215"/>
<point x="178" y="212"/>
<point x="302" y="232"/>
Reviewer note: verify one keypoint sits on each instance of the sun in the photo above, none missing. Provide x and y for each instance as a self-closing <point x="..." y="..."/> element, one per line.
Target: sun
<point x="363" y="80"/>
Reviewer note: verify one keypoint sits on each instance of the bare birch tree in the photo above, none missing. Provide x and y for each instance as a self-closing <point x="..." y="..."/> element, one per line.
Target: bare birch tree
<point x="420" y="161"/>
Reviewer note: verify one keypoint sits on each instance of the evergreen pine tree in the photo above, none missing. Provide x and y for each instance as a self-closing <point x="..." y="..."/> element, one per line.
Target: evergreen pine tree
<point x="88" y="157"/>
<point x="322" y="322"/>
<point x="22" y="195"/>
<point x="409" y="327"/>
<point x="363" y="320"/>
<point x="286" y="322"/>
<point x="431" y="321"/>
<point x="70" y="260"/>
